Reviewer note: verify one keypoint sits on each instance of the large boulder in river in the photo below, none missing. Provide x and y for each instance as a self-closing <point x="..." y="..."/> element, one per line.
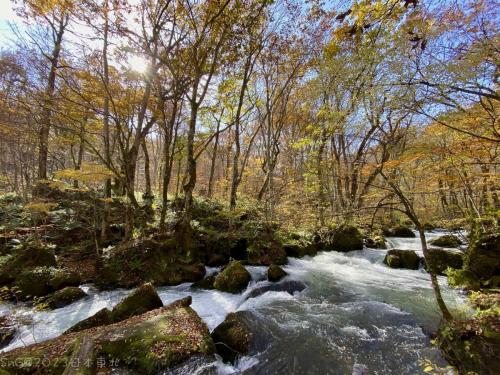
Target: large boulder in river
<point x="233" y="279"/>
<point x="375" y="242"/>
<point x="206" y="283"/>
<point x="483" y="256"/>
<point x="233" y="336"/>
<point x="135" y="262"/>
<point x="342" y="238"/>
<point x="438" y="260"/>
<point x="64" y="297"/>
<point x="138" y="302"/>
<point x="448" y="240"/>
<point x="289" y="286"/>
<point x="145" y="344"/>
<point x="399" y="231"/>
<point x="402" y="259"/>
<point x="275" y="273"/>
<point x="298" y="248"/>
<point x="7" y="330"/>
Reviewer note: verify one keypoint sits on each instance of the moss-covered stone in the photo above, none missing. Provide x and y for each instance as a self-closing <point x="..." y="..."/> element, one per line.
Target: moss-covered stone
<point x="448" y="240"/>
<point x="399" y="231"/>
<point x="135" y="262"/>
<point x="342" y="238"/>
<point x="275" y="273"/>
<point x="138" y="302"/>
<point x="29" y="256"/>
<point x="64" y="297"/>
<point x="402" y="259"/>
<point x="463" y="279"/>
<point x="146" y="344"/>
<point x="233" y="279"/>
<point x="300" y="248"/>
<point x="438" y="260"/>
<point x="100" y="318"/>
<point x="375" y="242"/>
<point x="429" y="226"/>
<point x="232" y="336"/>
<point x="40" y="281"/>
<point x="483" y="256"/>
<point x="266" y="253"/>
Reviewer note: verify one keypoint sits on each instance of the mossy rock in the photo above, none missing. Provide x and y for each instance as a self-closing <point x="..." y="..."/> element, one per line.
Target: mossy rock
<point x="438" y="260"/>
<point x="136" y="262"/>
<point x="29" y="256"/>
<point x="402" y="259"/>
<point x="448" y="240"/>
<point x="463" y="279"/>
<point x="429" y="226"/>
<point x="342" y="238"/>
<point x="40" y="281"/>
<point x="100" y="318"/>
<point x="138" y="302"/>
<point x="146" y="344"/>
<point x="299" y="249"/>
<point x="483" y="256"/>
<point x="399" y="231"/>
<point x="233" y="279"/>
<point x="64" y="297"/>
<point x="275" y="273"/>
<point x="266" y="253"/>
<point x="232" y="337"/>
<point x="375" y="242"/>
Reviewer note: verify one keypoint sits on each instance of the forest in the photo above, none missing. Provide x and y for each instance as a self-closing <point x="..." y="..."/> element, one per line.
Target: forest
<point x="250" y="186"/>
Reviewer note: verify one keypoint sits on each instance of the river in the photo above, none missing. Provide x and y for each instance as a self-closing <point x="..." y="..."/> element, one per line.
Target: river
<point x="355" y="310"/>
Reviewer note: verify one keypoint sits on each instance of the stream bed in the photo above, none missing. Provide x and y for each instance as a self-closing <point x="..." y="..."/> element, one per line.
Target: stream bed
<point x="355" y="310"/>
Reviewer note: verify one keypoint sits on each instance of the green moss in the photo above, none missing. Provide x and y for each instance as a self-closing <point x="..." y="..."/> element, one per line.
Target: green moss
<point x="438" y="260"/>
<point x="233" y="279"/>
<point x="64" y="297"/>
<point x="41" y="281"/>
<point x="448" y="240"/>
<point x="399" y="231"/>
<point x="275" y="273"/>
<point x="375" y="242"/>
<point x="232" y="336"/>
<point x="402" y="259"/>
<point x="138" y="302"/>
<point x="463" y="279"/>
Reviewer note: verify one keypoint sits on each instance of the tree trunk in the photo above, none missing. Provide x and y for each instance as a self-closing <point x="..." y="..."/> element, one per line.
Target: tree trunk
<point x="214" y="160"/>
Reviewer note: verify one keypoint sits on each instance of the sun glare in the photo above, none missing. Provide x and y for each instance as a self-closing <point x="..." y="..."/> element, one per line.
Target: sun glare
<point x="138" y="63"/>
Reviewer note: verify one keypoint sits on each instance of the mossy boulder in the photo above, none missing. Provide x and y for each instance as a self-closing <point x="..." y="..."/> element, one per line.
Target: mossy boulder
<point x="29" y="256"/>
<point x="402" y="259"/>
<point x="266" y="253"/>
<point x="145" y="344"/>
<point x="429" y="226"/>
<point x="300" y="248"/>
<point x="141" y="300"/>
<point x="40" y="281"/>
<point x="463" y="279"/>
<point x="438" y="260"/>
<point x="275" y="273"/>
<point x="135" y="262"/>
<point x="233" y="279"/>
<point x="342" y="238"/>
<point x="399" y="231"/>
<point x="448" y="240"/>
<point x="375" y="242"/>
<point x="483" y="256"/>
<point x="64" y="297"/>
<point x="233" y="337"/>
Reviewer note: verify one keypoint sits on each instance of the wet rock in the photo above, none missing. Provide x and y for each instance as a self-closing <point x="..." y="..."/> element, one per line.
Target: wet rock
<point x="402" y="259"/>
<point x="299" y="249"/>
<point x="343" y="238"/>
<point x="464" y="279"/>
<point x="448" y="240"/>
<point x="266" y="253"/>
<point x="289" y="286"/>
<point x="275" y="273"/>
<point x="399" y="231"/>
<point x="40" y="281"/>
<point x="145" y="344"/>
<point x="232" y="337"/>
<point x="138" y="302"/>
<point x="64" y="297"/>
<point x="206" y="283"/>
<point x="7" y="331"/>
<point x="438" y="260"/>
<point x="233" y="279"/>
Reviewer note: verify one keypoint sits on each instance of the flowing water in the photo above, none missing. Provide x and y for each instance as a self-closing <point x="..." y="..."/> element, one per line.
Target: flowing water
<point x="355" y="310"/>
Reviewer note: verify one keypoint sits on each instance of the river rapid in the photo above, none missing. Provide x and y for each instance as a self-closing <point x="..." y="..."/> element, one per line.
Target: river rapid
<point x="354" y="310"/>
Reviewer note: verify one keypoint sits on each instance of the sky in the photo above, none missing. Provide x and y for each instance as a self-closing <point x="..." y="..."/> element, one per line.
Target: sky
<point x="6" y="15"/>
